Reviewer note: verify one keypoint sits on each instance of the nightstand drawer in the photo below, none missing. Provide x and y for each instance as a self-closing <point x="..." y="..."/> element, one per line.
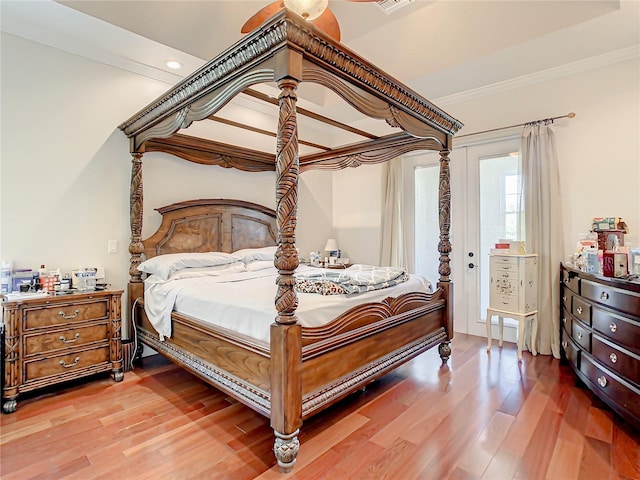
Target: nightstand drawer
<point x="62" y="314"/>
<point x="63" y="339"/>
<point x="60" y="364"/>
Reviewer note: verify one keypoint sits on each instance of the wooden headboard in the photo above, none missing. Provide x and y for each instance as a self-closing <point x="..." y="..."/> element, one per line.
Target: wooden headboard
<point x="212" y="225"/>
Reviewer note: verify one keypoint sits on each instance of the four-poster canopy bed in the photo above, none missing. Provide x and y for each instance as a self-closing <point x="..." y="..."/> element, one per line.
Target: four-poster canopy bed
<point x="300" y="370"/>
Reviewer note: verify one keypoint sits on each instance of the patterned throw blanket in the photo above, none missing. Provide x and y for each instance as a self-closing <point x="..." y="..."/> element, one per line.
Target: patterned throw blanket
<point x="355" y="279"/>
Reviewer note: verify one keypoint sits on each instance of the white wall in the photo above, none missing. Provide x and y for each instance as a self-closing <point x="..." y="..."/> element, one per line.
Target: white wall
<point x="65" y="166"/>
<point x="598" y="151"/>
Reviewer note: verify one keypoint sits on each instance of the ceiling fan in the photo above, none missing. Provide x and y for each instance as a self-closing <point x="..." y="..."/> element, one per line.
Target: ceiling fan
<point x="314" y="11"/>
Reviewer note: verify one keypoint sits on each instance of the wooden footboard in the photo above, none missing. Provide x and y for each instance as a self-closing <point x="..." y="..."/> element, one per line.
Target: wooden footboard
<point x="337" y="359"/>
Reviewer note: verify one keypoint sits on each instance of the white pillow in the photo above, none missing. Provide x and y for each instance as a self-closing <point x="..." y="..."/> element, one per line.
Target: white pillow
<point x="248" y="255"/>
<point x="216" y="271"/>
<point x="164" y="265"/>
<point x="259" y="265"/>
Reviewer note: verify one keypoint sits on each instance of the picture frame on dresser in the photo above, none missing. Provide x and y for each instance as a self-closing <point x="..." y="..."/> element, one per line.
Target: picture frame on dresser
<point x="57" y="338"/>
<point x="600" y="337"/>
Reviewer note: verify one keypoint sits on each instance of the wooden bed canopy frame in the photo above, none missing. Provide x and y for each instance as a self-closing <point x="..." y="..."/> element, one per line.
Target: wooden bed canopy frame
<point x="302" y="371"/>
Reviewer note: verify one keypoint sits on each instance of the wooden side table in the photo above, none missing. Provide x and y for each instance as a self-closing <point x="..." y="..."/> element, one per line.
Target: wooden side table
<point x="58" y="338"/>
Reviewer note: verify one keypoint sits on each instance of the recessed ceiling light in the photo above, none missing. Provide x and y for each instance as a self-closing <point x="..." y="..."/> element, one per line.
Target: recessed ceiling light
<point x="174" y="64"/>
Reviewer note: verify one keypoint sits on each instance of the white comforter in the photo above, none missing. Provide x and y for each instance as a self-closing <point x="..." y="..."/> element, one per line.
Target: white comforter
<point x="244" y="301"/>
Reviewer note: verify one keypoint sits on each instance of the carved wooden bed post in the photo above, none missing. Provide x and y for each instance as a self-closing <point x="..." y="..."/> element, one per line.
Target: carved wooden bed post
<point x="444" y="247"/>
<point x="286" y="335"/>
<point x="135" y="218"/>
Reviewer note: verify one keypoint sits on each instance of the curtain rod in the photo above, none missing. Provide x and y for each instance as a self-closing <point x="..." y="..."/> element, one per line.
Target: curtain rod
<point x="568" y="115"/>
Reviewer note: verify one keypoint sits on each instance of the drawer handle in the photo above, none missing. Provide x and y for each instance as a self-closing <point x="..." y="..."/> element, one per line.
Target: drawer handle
<point x="74" y="339"/>
<point x="566" y="280"/>
<point x="564" y="320"/>
<point x="613" y="357"/>
<point x="564" y="298"/>
<point x="604" y="296"/>
<point x="602" y="381"/>
<point x="613" y="327"/>
<point x="75" y="362"/>
<point x="579" y="335"/>
<point x="579" y="310"/>
<point x="565" y="344"/>
<point x="64" y="315"/>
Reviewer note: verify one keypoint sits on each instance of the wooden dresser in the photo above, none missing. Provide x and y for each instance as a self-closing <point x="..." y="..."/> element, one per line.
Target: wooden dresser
<point x="59" y="338"/>
<point x="600" y="337"/>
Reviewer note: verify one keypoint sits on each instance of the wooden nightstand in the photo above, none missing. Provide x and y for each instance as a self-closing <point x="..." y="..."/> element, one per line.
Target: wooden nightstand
<point x="59" y="338"/>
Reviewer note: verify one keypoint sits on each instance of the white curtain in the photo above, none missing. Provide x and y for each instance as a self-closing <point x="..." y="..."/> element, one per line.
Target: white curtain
<point x="393" y="251"/>
<point x="543" y="226"/>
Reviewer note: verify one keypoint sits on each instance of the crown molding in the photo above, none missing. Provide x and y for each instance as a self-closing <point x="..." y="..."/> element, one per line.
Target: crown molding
<point x="591" y="63"/>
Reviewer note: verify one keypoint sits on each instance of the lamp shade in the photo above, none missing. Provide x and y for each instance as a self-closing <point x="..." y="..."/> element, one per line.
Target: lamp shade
<point x="331" y="245"/>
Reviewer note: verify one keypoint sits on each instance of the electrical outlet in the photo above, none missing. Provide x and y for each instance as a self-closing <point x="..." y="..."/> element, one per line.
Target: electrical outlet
<point x="112" y="246"/>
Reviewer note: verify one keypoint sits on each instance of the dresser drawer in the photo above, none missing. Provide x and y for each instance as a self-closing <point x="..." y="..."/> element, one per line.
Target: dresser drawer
<point x="35" y="343"/>
<point x="61" y="314"/>
<point x="621" y="362"/>
<point x="581" y="310"/>
<point x="617" y="390"/>
<point x="620" y="330"/>
<point x="581" y="335"/>
<point x="566" y="298"/>
<point x="68" y="362"/>
<point x="571" y="350"/>
<point x="571" y="281"/>
<point x="565" y="321"/>
<point x="625" y="301"/>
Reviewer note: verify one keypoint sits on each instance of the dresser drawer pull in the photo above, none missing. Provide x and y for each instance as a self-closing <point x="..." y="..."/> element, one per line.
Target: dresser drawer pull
<point x="579" y="310"/>
<point x="75" y="362"/>
<point x="63" y="339"/>
<point x="602" y="381"/>
<point x="565" y="344"/>
<point x="579" y="335"/>
<point x="564" y="320"/>
<point x="64" y="315"/>
<point x="604" y="296"/>
<point x="613" y="327"/>
<point x="613" y="357"/>
<point x="564" y="298"/>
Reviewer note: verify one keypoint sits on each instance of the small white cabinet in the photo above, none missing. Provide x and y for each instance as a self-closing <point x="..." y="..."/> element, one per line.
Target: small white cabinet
<point x="513" y="293"/>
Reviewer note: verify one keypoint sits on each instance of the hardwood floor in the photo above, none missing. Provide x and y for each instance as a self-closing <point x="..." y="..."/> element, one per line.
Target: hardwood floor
<point x="482" y="416"/>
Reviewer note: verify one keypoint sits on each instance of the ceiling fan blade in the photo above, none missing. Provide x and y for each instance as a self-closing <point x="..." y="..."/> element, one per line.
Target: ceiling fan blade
<point x="328" y="23"/>
<point x="261" y="15"/>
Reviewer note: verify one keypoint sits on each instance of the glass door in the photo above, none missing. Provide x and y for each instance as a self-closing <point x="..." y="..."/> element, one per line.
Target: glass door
<point x="485" y="208"/>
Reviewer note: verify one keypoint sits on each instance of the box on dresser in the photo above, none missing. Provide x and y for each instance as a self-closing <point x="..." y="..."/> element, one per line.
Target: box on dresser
<point x="600" y="337"/>
<point x="54" y="339"/>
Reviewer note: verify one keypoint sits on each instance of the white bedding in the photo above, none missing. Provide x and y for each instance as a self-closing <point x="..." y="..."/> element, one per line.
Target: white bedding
<point x="243" y="301"/>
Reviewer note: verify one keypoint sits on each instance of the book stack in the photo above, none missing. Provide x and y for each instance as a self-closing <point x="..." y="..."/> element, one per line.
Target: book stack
<point x="501" y="246"/>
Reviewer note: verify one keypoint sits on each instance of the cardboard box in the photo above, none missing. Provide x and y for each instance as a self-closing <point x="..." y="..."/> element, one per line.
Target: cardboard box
<point x="614" y="264"/>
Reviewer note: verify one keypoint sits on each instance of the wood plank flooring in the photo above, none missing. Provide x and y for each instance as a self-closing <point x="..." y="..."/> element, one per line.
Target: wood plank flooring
<point x="484" y="416"/>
